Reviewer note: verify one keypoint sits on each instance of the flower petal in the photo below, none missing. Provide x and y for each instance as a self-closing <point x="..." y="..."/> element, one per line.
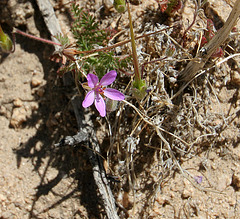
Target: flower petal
<point x="92" y="80"/>
<point x="100" y="105"/>
<point x="88" y="101"/>
<point x="113" y="94"/>
<point x="108" y="78"/>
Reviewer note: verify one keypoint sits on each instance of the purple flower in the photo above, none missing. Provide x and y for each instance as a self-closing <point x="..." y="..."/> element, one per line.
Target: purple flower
<point x="198" y="179"/>
<point x="97" y="90"/>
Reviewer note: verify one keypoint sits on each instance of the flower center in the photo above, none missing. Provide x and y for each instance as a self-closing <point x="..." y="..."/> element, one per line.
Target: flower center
<point x="99" y="89"/>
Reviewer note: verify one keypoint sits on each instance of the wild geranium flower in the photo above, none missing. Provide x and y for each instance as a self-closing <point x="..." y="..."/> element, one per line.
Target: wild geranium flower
<point x="97" y="91"/>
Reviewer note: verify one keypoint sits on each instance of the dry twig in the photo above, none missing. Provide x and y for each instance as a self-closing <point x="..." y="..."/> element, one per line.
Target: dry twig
<point x="198" y="63"/>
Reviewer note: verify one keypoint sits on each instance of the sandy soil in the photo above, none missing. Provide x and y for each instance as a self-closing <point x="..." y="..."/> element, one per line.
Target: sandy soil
<point x="41" y="181"/>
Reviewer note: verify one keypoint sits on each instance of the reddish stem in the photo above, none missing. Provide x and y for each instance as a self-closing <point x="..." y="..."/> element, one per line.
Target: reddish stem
<point x="36" y="38"/>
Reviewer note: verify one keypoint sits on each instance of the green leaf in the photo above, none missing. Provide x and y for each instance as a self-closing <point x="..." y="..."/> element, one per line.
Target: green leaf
<point x="5" y="42"/>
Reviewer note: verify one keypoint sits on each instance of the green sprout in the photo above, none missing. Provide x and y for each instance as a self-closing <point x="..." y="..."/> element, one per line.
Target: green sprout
<point x="88" y="37"/>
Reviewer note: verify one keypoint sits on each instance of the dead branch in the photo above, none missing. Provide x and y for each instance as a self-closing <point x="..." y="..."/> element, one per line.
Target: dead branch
<point x="86" y="126"/>
<point x="199" y="61"/>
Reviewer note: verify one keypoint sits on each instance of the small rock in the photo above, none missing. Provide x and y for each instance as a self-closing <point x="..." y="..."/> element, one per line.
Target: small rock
<point x="236" y="180"/>
<point x="162" y="199"/>
<point x="108" y="3"/>
<point x="34" y="106"/>
<point x="57" y="115"/>
<point x="36" y="82"/>
<point x="187" y="192"/>
<point x="17" y="102"/>
<point x="235" y="78"/>
<point x="113" y="24"/>
<point x="18" y="117"/>
<point x="28" y="207"/>
<point x="38" y="146"/>
<point x="232" y="201"/>
<point x="140" y="13"/>
<point x="2" y="198"/>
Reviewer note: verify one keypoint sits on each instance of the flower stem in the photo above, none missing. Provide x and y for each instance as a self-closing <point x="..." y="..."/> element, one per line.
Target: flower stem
<point x="134" y="51"/>
<point x="36" y="38"/>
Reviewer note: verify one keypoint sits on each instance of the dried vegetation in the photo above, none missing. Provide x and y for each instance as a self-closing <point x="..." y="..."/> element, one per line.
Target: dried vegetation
<point x="147" y="142"/>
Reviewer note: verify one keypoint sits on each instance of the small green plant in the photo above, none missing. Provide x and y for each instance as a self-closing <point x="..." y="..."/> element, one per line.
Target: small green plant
<point x="88" y="37"/>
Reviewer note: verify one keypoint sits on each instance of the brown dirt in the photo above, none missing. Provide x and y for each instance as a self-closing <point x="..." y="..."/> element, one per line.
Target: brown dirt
<point x="41" y="181"/>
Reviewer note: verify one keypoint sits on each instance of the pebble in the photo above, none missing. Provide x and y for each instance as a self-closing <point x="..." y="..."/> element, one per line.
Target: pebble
<point x="57" y="115"/>
<point x="2" y="198"/>
<point x="140" y="13"/>
<point x="162" y="199"/>
<point x="36" y="82"/>
<point x="235" y="78"/>
<point x="232" y="201"/>
<point x="17" y="102"/>
<point x="187" y="192"/>
<point x="34" y="106"/>
<point x="236" y="180"/>
<point x="18" y="117"/>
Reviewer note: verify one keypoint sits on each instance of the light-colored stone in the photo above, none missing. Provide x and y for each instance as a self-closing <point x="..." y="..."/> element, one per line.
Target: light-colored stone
<point x="187" y="192"/>
<point x="2" y="197"/>
<point x="17" y="102"/>
<point x="18" y="117"/>
<point x="34" y="106"/>
<point x="162" y="199"/>
<point x="36" y="82"/>
<point x="232" y="200"/>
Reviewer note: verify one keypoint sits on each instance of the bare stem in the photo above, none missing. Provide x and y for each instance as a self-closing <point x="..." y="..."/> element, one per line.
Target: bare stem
<point x="36" y="38"/>
<point x="121" y="43"/>
<point x="134" y="50"/>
